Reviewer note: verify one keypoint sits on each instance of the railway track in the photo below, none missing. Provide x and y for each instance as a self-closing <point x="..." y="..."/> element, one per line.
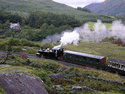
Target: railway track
<point x="61" y="62"/>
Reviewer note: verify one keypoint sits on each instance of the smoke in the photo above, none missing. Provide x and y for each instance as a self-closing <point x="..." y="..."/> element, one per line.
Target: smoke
<point x="98" y="33"/>
<point x="118" y="30"/>
<point x="52" y="38"/>
<point x="69" y="37"/>
<point x="65" y="38"/>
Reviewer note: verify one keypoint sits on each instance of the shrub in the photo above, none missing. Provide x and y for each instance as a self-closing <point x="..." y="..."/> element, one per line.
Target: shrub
<point x="36" y="64"/>
<point x="2" y="46"/>
<point x="31" y="51"/>
<point x="26" y="62"/>
<point x="44" y="76"/>
<point x="51" y="65"/>
<point x="16" y="48"/>
<point x="26" y="27"/>
<point x="13" y="41"/>
<point x="25" y="42"/>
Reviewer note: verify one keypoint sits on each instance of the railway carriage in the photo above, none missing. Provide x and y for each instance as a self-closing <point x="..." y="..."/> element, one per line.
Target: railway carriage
<point x="84" y="59"/>
<point x="116" y="66"/>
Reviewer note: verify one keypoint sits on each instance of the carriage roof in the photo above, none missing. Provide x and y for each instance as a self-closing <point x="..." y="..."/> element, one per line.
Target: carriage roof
<point x="84" y="54"/>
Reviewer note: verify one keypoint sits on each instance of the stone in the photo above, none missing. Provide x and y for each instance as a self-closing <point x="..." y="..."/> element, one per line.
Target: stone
<point x="58" y="76"/>
<point x="76" y="88"/>
<point x="80" y="89"/>
<point x="3" y="65"/>
<point x="89" y="89"/>
<point x="19" y="83"/>
<point x="57" y="86"/>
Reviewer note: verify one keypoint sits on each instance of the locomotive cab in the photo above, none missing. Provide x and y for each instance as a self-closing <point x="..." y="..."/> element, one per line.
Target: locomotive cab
<point x="58" y="52"/>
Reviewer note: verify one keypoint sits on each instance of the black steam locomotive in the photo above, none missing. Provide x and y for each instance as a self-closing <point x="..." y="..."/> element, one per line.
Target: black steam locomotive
<point x="89" y="60"/>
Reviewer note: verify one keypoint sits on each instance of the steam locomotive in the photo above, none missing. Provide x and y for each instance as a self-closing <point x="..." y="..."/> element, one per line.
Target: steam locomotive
<point x="89" y="60"/>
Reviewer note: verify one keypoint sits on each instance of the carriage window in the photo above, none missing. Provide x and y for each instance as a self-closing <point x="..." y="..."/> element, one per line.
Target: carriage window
<point x="123" y="67"/>
<point x="73" y="57"/>
<point x="97" y="60"/>
<point x="91" y="60"/>
<point x="70" y="56"/>
<point x="88" y="59"/>
<point x="110" y="63"/>
<point x="84" y="58"/>
<point x="81" y="58"/>
<point x="77" y="57"/>
<point x="114" y="65"/>
<point x="65" y="55"/>
<point x="117" y="66"/>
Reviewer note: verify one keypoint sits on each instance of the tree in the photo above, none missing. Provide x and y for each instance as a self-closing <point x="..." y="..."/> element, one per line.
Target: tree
<point x="51" y="29"/>
<point x="7" y="24"/>
<point x="44" y="26"/>
<point x="83" y="9"/>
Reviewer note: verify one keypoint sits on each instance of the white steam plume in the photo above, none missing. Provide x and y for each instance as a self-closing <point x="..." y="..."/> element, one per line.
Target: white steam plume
<point x="69" y="37"/>
<point x="118" y="30"/>
<point x="99" y="33"/>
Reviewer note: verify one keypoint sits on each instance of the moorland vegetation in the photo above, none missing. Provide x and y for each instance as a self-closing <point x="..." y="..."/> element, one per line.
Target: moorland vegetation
<point x="74" y="76"/>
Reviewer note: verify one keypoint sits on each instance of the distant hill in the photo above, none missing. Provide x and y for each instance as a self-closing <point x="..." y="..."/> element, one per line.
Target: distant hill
<point x="108" y="7"/>
<point x="26" y="6"/>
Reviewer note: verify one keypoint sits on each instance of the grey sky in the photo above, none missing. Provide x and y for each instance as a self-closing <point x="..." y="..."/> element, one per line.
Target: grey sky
<point x="77" y="3"/>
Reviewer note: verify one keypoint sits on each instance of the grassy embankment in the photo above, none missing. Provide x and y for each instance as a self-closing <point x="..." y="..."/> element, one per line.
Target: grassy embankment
<point x="42" y="68"/>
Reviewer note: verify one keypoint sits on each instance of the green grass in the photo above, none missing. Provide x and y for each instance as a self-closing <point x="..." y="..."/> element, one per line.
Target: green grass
<point x="91" y="24"/>
<point x="106" y="49"/>
<point x="2" y="91"/>
<point x="42" y="68"/>
<point x="112" y="92"/>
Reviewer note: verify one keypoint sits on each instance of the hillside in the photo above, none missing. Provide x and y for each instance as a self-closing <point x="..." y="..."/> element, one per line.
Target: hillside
<point x="108" y="7"/>
<point x="26" y="6"/>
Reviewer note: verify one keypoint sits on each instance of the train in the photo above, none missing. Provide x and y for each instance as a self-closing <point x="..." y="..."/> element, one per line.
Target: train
<point x="89" y="60"/>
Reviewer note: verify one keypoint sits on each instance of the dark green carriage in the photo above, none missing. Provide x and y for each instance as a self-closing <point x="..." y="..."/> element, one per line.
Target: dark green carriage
<point x="84" y="59"/>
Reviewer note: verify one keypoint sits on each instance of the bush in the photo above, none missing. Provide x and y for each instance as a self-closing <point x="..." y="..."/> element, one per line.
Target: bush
<point x="13" y="41"/>
<point x="26" y="62"/>
<point x="51" y="65"/>
<point x="2" y="46"/>
<point x="31" y="51"/>
<point x="26" y="27"/>
<point x="44" y="76"/>
<point x="16" y="48"/>
<point x="36" y="64"/>
<point x="25" y="42"/>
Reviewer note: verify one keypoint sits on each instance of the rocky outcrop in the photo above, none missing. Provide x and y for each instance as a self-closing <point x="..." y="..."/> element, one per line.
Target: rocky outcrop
<point x="84" y="88"/>
<point x="19" y="83"/>
<point x="58" y="76"/>
<point x="106" y="80"/>
<point x="3" y="65"/>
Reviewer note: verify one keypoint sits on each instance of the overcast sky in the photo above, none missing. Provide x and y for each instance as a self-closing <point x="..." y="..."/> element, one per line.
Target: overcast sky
<point x="77" y="3"/>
